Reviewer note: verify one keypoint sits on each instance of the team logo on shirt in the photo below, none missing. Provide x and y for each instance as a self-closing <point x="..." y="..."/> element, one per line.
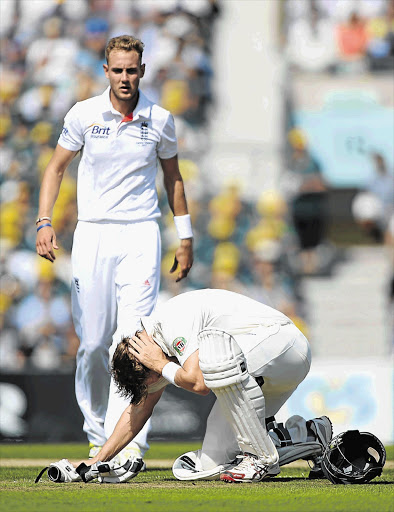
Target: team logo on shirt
<point x="64" y="131"/>
<point x="179" y="345"/>
<point x="144" y="130"/>
<point x="99" y="131"/>
<point x="144" y="134"/>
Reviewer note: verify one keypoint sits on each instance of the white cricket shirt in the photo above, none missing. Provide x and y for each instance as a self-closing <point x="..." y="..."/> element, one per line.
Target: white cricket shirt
<point x="175" y="324"/>
<point x="118" y="167"/>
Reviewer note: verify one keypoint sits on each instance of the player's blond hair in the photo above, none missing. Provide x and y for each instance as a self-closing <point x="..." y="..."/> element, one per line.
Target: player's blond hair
<point x="125" y="43"/>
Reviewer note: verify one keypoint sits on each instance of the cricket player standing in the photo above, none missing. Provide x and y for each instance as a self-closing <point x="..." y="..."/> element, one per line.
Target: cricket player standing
<point x="116" y="248"/>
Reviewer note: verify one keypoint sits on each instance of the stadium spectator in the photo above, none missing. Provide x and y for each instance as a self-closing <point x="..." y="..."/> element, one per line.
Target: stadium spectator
<point x="310" y="42"/>
<point x="340" y="36"/>
<point x="307" y="193"/>
<point x="373" y="207"/>
<point x="42" y="320"/>
<point x="382" y="186"/>
<point x="352" y="38"/>
<point x="381" y="40"/>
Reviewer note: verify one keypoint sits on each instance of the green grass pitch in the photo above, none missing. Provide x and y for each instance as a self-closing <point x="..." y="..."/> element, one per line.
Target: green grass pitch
<point x="157" y="489"/>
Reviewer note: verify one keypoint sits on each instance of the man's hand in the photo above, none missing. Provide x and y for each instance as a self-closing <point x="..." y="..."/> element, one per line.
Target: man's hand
<point x="183" y="257"/>
<point x="147" y="352"/>
<point x="46" y="242"/>
<point x="110" y="472"/>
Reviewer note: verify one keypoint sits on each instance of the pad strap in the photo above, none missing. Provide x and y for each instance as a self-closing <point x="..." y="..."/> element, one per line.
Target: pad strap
<point x="280" y="430"/>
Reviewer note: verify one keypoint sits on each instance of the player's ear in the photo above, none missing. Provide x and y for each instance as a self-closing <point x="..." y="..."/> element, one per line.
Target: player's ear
<point x="106" y="68"/>
<point x="142" y="72"/>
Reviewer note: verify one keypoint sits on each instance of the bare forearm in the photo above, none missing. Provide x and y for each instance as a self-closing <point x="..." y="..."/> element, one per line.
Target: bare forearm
<point x="173" y="184"/>
<point x="49" y="192"/>
<point x="52" y="179"/>
<point x="125" y="430"/>
<point x="176" y="197"/>
<point x="129" y="425"/>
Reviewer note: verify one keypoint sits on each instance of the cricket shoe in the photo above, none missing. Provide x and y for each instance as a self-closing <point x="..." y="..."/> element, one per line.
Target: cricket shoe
<point x="249" y="469"/>
<point x="131" y="451"/>
<point x="93" y="450"/>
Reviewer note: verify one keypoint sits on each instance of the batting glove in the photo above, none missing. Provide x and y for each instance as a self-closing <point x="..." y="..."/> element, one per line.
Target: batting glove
<point x="61" y="471"/>
<point x="89" y="473"/>
<point x="113" y="473"/>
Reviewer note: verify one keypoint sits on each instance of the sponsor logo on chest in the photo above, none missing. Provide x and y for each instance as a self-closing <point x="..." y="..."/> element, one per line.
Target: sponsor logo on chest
<point x="99" y="131"/>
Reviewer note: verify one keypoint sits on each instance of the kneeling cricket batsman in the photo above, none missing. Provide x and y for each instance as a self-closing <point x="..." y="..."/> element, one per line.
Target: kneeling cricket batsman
<point x="251" y="356"/>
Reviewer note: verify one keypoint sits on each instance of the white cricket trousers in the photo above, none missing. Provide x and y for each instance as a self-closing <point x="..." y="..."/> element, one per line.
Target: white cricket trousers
<point x="116" y="278"/>
<point x="283" y="359"/>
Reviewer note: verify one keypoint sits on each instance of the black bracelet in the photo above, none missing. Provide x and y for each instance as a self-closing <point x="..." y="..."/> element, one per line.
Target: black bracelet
<point x="44" y="226"/>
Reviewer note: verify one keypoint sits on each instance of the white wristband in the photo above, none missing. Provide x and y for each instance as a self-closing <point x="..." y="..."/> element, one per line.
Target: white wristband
<point x="169" y="371"/>
<point x="183" y="226"/>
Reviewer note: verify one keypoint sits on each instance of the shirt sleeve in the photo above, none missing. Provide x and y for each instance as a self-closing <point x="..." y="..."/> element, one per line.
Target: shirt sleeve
<point x="72" y="137"/>
<point x="183" y="342"/>
<point x="168" y="146"/>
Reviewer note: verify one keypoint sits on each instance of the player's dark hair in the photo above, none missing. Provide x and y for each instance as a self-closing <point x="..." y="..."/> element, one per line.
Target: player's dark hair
<point x="125" y="43"/>
<point x="129" y="374"/>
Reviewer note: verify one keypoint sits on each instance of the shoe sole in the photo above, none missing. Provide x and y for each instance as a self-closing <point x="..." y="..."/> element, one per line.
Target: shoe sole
<point x="230" y="480"/>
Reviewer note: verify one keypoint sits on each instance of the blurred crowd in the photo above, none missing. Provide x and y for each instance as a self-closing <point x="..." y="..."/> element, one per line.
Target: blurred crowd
<point x="340" y="36"/>
<point x="52" y="53"/>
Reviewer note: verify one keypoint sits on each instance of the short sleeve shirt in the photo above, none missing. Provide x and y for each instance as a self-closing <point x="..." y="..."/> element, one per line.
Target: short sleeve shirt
<point x="118" y="166"/>
<point x="176" y="324"/>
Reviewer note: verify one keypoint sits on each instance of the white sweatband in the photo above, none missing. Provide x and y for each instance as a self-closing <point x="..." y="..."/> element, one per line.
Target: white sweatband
<point x="183" y="226"/>
<point x="169" y="371"/>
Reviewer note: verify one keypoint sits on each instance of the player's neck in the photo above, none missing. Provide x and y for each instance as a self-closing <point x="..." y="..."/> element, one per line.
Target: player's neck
<point x="124" y="107"/>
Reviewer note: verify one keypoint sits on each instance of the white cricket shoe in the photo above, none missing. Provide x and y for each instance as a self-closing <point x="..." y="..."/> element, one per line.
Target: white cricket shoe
<point x="249" y="469"/>
<point x="93" y="450"/>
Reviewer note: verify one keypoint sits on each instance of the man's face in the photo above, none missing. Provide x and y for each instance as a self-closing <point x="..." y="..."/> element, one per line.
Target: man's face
<point x="124" y="72"/>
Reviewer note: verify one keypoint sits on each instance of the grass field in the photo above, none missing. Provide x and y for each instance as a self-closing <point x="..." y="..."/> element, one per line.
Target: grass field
<point x="157" y="490"/>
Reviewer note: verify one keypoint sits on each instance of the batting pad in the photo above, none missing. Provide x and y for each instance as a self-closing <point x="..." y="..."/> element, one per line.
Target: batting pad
<point x="241" y="399"/>
<point x="305" y="451"/>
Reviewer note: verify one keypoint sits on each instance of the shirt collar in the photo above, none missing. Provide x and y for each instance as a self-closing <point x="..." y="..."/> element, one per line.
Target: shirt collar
<point x="142" y="109"/>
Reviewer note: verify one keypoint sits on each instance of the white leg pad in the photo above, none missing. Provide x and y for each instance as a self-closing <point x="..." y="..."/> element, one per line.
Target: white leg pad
<point x="241" y="399"/>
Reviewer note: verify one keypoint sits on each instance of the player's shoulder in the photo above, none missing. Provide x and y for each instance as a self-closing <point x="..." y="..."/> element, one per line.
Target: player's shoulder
<point x="155" y="110"/>
<point x="93" y="104"/>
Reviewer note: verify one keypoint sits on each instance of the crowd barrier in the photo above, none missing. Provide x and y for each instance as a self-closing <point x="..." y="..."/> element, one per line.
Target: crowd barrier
<point x="354" y="393"/>
<point x="43" y="408"/>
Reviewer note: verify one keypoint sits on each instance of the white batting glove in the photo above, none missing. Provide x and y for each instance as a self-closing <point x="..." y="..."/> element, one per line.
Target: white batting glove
<point x="89" y="473"/>
<point x="61" y="471"/>
<point x="112" y="473"/>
